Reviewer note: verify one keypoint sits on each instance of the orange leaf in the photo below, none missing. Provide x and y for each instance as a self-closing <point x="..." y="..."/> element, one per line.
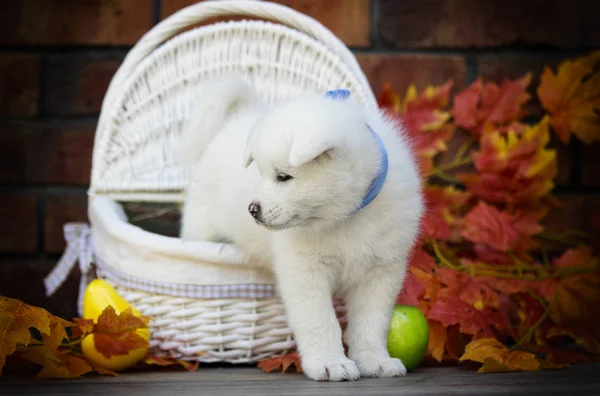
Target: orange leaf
<point x="116" y="334"/>
<point x="104" y="371"/>
<point x="56" y="362"/>
<point x="82" y="328"/>
<point x="16" y="318"/>
<point x="289" y="360"/>
<point x="109" y="322"/>
<point x="483" y="104"/>
<point x="437" y="339"/>
<point x="113" y="344"/>
<point x="424" y="117"/>
<point x="547" y="364"/>
<point x="281" y="362"/>
<point x="156" y="360"/>
<point x="496" y="357"/>
<point x="514" y="168"/>
<point x="572" y="97"/>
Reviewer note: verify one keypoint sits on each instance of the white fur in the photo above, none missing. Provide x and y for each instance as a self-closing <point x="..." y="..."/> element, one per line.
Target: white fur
<point x="314" y="246"/>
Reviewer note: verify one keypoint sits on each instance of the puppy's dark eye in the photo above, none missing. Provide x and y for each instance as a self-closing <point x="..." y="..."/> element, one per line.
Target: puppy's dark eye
<point x="282" y="177"/>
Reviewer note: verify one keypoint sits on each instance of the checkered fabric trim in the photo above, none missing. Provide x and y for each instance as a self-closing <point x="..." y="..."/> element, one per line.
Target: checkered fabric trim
<point x="182" y="290"/>
<point x="80" y="249"/>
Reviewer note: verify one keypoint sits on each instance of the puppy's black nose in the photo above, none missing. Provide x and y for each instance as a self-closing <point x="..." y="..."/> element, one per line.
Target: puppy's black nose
<point x="254" y="210"/>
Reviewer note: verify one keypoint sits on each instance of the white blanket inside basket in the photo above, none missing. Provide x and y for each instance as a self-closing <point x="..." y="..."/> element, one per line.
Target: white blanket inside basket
<point x="142" y="254"/>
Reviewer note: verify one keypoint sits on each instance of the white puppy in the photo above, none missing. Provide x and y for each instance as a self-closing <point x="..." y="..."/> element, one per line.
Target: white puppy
<point x="325" y="211"/>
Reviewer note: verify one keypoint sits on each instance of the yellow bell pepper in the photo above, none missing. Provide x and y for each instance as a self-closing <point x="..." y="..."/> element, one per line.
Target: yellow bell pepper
<point x="98" y="295"/>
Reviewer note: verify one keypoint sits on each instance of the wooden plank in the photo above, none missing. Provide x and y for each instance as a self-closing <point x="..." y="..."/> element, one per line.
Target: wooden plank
<point x="249" y="381"/>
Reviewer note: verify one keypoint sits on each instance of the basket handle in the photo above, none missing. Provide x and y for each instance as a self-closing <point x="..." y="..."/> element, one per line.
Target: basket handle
<point x="205" y="10"/>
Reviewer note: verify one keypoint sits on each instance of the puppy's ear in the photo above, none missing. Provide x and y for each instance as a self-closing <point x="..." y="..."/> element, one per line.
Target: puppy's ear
<point x="305" y="150"/>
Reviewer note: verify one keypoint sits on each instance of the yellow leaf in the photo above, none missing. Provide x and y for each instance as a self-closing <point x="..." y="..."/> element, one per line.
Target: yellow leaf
<point x="437" y="339"/>
<point x="16" y="318"/>
<point x="572" y="97"/>
<point x="56" y="363"/>
<point x="496" y="357"/>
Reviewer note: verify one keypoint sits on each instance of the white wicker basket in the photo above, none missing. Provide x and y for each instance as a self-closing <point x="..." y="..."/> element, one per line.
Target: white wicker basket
<point x="206" y="303"/>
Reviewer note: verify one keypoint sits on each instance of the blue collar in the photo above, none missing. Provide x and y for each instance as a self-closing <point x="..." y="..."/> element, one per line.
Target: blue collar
<point x="377" y="183"/>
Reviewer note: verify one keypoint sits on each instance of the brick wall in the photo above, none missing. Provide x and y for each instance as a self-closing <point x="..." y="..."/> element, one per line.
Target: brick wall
<point x="57" y="57"/>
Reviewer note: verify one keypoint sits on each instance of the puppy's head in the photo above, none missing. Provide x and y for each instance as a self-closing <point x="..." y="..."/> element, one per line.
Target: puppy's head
<point x="316" y="158"/>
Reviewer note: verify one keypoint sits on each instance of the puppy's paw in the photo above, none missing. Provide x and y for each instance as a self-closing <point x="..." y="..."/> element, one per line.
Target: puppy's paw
<point x="372" y="366"/>
<point x="336" y="369"/>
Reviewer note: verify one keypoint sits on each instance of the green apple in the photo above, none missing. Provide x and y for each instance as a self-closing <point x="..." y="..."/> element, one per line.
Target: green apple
<point x="408" y="336"/>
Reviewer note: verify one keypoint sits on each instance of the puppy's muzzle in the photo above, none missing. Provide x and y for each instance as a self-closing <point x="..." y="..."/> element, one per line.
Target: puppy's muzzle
<point x="255" y="210"/>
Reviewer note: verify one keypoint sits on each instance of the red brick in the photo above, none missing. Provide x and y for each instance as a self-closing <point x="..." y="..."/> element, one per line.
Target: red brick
<point x="349" y="20"/>
<point x="19" y="90"/>
<point x="70" y="159"/>
<point x="23" y="157"/>
<point x="402" y="70"/>
<point x="18" y="223"/>
<point x="23" y="279"/>
<point x="39" y="154"/>
<point x="581" y="212"/>
<point x="66" y="22"/>
<point x="475" y="23"/>
<point x="77" y="84"/>
<point x="62" y="208"/>
<point x="590" y="165"/>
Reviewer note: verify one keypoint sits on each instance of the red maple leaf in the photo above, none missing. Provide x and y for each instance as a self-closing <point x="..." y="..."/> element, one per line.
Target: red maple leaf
<point x="473" y="321"/>
<point x="487" y="225"/>
<point x="482" y="104"/>
<point x="281" y="362"/>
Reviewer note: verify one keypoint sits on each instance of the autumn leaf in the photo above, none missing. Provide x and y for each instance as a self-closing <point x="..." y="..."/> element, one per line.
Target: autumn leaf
<point x="82" y="327"/>
<point x="449" y="311"/>
<point x="109" y="322"/>
<point x="56" y="362"/>
<point x="489" y="106"/>
<point x="579" y="256"/>
<point x="424" y="117"/>
<point x="155" y="360"/>
<point x="412" y="290"/>
<point x="437" y="339"/>
<point x="16" y="318"/>
<point x="496" y="357"/>
<point x="281" y="362"/>
<point x="488" y="225"/>
<point x="514" y="168"/>
<point x="389" y="100"/>
<point x="444" y="208"/>
<point x="467" y="289"/>
<point x="116" y="334"/>
<point x="576" y="301"/>
<point x="421" y="259"/>
<point x="572" y="97"/>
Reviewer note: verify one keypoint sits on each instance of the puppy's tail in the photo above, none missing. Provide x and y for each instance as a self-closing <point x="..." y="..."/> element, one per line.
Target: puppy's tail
<point x="218" y="102"/>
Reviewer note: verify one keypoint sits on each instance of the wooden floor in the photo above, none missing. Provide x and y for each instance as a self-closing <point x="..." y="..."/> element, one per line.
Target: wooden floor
<point x="248" y="381"/>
